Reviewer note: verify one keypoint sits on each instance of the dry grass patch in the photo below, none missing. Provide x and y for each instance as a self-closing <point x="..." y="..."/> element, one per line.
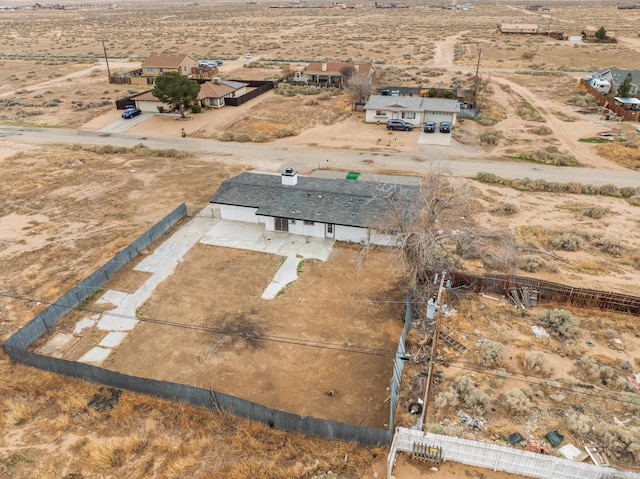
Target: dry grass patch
<point x="626" y="154"/>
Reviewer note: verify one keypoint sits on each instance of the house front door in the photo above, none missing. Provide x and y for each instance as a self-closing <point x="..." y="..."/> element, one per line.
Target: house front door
<point x="330" y="231"/>
<point x="282" y="224"/>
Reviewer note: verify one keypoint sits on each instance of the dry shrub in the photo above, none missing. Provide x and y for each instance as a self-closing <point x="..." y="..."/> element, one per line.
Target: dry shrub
<point x="534" y="361"/>
<point x="486" y="119"/>
<point x="560" y="322"/>
<point x="527" y="112"/>
<point x="446" y="401"/>
<point x="530" y="263"/>
<point x="621" y="154"/>
<point x="578" y="424"/>
<point x="505" y="209"/>
<point x="19" y="410"/>
<point x="542" y="130"/>
<point x="595" y="212"/>
<point x="567" y="242"/>
<point x="491" y="353"/>
<point x="470" y="397"/>
<point x="490" y="137"/>
<point x="623" y="443"/>
<point x="609" y="245"/>
<point x="516" y="401"/>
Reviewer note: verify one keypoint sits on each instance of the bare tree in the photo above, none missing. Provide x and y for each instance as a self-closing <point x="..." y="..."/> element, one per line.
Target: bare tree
<point x="437" y="231"/>
<point x="347" y="72"/>
<point x="359" y="86"/>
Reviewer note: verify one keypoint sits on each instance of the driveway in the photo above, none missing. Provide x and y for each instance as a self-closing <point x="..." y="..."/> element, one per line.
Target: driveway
<point x="123" y="125"/>
<point x="436" y="138"/>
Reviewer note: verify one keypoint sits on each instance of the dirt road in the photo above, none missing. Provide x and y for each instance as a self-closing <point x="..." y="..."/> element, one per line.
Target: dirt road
<point x="305" y="158"/>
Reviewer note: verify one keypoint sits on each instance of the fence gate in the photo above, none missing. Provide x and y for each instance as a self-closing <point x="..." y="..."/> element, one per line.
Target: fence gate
<point x="425" y="452"/>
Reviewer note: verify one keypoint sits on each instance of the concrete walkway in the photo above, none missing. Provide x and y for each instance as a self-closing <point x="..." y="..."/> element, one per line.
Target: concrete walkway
<point x="253" y="237"/>
<point x="206" y="228"/>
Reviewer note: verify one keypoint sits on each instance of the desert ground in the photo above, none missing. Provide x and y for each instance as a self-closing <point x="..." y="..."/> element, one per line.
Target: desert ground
<point x="67" y="208"/>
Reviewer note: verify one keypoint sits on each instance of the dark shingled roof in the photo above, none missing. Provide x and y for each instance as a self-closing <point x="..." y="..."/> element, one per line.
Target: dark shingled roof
<point x="337" y="201"/>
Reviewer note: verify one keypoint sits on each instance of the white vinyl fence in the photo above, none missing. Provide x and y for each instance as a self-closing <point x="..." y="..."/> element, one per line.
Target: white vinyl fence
<point x="500" y="458"/>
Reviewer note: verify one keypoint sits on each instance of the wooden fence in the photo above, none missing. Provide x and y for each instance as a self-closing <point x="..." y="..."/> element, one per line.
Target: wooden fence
<point x="500" y="284"/>
<point x="608" y="102"/>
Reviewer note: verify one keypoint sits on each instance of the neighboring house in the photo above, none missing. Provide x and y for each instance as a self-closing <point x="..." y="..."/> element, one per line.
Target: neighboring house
<point x="346" y="210"/>
<point x="181" y="63"/>
<point x="615" y="76"/>
<point x="147" y="102"/>
<point x="518" y="28"/>
<point x="415" y="110"/>
<point x="330" y="73"/>
<point x="212" y="93"/>
<point x="590" y="33"/>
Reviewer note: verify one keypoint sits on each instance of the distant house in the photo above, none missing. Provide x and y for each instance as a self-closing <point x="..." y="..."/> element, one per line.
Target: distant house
<point x="147" y="102"/>
<point x="213" y="93"/>
<point x="332" y="73"/>
<point x="343" y="209"/>
<point x="181" y="63"/>
<point x="518" y="28"/>
<point x="615" y="76"/>
<point x="415" y="110"/>
<point x="589" y="33"/>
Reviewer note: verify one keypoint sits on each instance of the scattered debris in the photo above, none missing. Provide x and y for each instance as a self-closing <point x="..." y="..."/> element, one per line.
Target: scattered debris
<point x="471" y="422"/>
<point x="331" y="392"/>
<point x="557" y="397"/>
<point x="536" y="445"/>
<point x="634" y="382"/>
<point x="106" y="401"/>
<point x="415" y="408"/>
<point x="572" y="452"/>
<point x="597" y="456"/>
<point x="539" y="332"/>
<point x="554" y="438"/>
<point x="515" y="438"/>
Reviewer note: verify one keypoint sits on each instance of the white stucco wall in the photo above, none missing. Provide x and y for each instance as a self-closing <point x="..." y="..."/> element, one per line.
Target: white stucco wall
<point x="298" y="227"/>
<point x="371" y="117"/>
<point x="239" y="213"/>
<point x="351" y="233"/>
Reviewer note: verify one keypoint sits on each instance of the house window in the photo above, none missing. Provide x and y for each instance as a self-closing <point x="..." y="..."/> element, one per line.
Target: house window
<point x="330" y="229"/>
<point x="309" y="223"/>
<point x="184" y="69"/>
<point x="149" y="69"/>
<point x="381" y="113"/>
<point x="409" y="115"/>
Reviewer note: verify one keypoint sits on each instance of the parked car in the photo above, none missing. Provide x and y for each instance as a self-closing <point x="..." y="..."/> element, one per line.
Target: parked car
<point x="399" y="125"/>
<point x="445" y="127"/>
<point x="385" y="92"/>
<point x="429" y="127"/>
<point x="130" y="113"/>
<point x="247" y="56"/>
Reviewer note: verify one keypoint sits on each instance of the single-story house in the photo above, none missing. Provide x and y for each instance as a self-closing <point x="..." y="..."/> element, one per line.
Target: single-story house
<point x="331" y="73"/>
<point x="212" y="93"/>
<point x="343" y="209"/>
<point x="518" y="28"/>
<point x="147" y="102"/>
<point x="415" y="110"/>
<point x="181" y="63"/>
<point x="615" y="76"/>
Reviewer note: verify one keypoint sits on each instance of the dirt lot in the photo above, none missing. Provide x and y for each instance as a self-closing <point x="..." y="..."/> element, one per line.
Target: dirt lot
<point x="338" y="323"/>
<point x="66" y="210"/>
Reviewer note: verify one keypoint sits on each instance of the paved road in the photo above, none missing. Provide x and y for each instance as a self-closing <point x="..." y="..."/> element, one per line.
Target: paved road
<point x="267" y="156"/>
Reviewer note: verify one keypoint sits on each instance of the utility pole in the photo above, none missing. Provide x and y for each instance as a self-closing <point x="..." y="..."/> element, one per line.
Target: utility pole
<point x="477" y="80"/>
<point x="106" y="59"/>
<point x="434" y="354"/>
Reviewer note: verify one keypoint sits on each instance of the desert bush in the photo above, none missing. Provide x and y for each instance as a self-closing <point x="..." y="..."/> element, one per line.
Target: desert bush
<point x="446" y="400"/>
<point x="515" y="401"/>
<point x="567" y="242"/>
<point x="595" y="212"/>
<point x="534" y="361"/>
<point x="469" y="396"/>
<point x="528" y="55"/>
<point x="485" y="119"/>
<point x="634" y="200"/>
<point x="284" y="132"/>
<point x="311" y="102"/>
<point x="582" y="101"/>
<point x="560" y="322"/>
<point x="325" y="95"/>
<point x="530" y="263"/>
<point x="491" y="353"/>
<point x="596" y="371"/>
<point x="490" y="137"/>
<point x="542" y="130"/>
<point x="196" y="108"/>
<point x="261" y="137"/>
<point x="526" y="111"/>
<point x="578" y="424"/>
<point x="227" y="136"/>
<point x="505" y="209"/>
<point x="243" y="138"/>
<point x="609" y="245"/>
<point x="623" y="443"/>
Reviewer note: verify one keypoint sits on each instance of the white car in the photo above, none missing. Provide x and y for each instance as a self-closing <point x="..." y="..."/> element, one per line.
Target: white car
<point x="247" y="56"/>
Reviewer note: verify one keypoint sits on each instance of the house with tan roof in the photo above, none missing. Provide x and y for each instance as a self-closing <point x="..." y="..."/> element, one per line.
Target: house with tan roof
<point x="213" y="93"/>
<point x="332" y="73"/>
<point x="180" y="63"/>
